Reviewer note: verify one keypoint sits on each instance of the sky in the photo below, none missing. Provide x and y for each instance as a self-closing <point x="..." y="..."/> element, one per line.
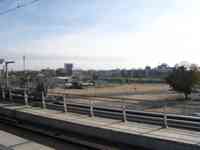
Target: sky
<point x="100" y="34"/>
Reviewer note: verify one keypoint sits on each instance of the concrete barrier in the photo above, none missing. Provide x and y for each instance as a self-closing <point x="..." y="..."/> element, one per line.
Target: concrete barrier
<point x="62" y="127"/>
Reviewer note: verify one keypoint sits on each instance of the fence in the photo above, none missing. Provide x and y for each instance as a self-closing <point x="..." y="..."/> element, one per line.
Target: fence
<point x="163" y="112"/>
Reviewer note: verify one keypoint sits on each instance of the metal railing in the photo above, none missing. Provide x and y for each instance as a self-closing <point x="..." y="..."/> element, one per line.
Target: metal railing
<point x="120" y="108"/>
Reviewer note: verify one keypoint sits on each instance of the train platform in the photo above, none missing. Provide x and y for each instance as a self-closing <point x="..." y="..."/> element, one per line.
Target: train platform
<point x="10" y="141"/>
<point x="139" y="134"/>
<point x="12" y="138"/>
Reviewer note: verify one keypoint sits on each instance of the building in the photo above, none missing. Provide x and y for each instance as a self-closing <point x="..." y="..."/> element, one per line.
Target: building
<point x="68" y="69"/>
<point x="164" y="69"/>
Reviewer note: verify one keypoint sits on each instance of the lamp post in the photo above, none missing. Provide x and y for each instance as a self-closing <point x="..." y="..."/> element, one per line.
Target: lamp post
<point x="6" y="65"/>
<point x="1" y="79"/>
<point x="1" y="72"/>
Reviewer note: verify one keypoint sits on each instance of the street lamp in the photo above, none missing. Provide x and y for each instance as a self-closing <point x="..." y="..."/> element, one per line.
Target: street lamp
<point x="6" y="64"/>
<point x="1" y="71"/>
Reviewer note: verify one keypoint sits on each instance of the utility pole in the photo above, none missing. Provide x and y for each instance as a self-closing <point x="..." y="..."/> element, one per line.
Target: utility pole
<point x="25" y="77"/>
<point x="24" y="63"/>
<point x="24" y="69"/>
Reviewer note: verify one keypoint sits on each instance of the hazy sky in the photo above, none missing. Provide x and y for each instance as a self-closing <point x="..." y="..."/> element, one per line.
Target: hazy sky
<point x="101" y="34"/>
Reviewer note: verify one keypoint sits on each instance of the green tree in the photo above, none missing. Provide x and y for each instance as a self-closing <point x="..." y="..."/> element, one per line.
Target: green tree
<point x="184" y="79"/>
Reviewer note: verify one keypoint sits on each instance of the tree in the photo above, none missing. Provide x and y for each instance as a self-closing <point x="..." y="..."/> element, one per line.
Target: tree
<point x="42" y="84"/>
<point x="184" y="79"/>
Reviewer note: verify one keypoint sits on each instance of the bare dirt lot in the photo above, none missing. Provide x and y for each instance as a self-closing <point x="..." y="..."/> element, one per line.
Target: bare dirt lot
<point x="129" y="91"/>
<point x="146" y="97"/>
<point x="118" y="89"/>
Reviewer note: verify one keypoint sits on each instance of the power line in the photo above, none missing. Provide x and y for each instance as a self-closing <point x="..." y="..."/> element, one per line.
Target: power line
<point x="18" y="7"/>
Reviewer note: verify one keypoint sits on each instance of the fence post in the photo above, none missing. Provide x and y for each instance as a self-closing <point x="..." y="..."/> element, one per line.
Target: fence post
<point x="10" y="94"/>
<point x="26" y="98"/>
<point x="43" y="101"/>
<point x="91" y="109"/>
<point x="3" y="94"/>
<point x="165" y="115"/>
<point x="65" y="103"/>
<point x="124" y="112"/>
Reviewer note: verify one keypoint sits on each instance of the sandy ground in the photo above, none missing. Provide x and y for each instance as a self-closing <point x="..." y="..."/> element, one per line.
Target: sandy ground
<point x="149" y="92"/>
<point x="183" y="107"/>
<point x="118" y="89"/>
<point x="147" y="97"/>
<point x="154" y="97"/>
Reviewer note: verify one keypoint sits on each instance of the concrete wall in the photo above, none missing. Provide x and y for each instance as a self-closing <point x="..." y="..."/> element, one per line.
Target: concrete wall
<point x="95" y="132"/>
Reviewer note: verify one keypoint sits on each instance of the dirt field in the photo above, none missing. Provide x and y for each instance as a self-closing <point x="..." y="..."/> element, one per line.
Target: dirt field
<point x="118" y="90"/>
<point x="147" y="92"/>
<point x="146" y="97"/>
